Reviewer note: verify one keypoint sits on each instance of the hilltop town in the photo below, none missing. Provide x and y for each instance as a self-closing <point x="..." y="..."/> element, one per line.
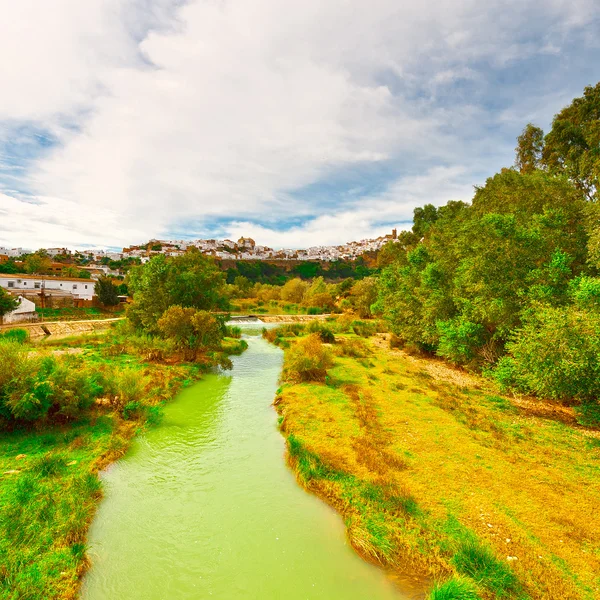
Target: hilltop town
<point x="244" y="249"/>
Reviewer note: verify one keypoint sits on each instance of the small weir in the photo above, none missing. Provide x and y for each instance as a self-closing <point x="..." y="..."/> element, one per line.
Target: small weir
<point x="203" y="505"/>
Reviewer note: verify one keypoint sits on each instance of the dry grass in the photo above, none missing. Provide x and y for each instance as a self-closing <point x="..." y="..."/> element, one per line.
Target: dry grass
<point x="428" y="464"/>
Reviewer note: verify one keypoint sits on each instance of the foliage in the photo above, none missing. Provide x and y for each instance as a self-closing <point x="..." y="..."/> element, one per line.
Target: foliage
<point x="38" y="263"/>
<point x="191" y="329"/>
<point x="7" y="302"/>
<point x="325" y="334"/>
<point x="294" y="290"/>
<point x="72" y="271"/>
<point x="364" y="295"/>
<point x="16" y="335"/>
<point x="9" y="267"/>
<point x="107" y="291"/>
<point x="465" y="287"/>
<point x="191" y="280"/>
<point x="556" y="354"/>
<point x="36" y="387"/>
<point x="571" y="146"/>
<point x="307" y="360"/>
<point x="529" y="149"/>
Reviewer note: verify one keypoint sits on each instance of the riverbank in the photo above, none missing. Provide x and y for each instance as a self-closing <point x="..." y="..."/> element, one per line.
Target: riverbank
<point x="436" y="473"/>
<point x="49" y="488"/>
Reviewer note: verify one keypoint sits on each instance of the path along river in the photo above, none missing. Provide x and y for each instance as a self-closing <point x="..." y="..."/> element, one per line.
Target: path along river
<point x="203" y="505"/>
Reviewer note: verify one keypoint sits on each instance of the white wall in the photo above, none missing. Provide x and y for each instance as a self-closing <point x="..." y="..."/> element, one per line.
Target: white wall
<point x="79" y="288"/>
<point x="24" y="312"/>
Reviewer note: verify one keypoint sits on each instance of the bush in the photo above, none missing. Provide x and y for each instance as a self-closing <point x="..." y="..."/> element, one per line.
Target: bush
<point x="34" y="388"/>
<point x="364" y="329"/>
<point x="459" y="340"/>
<point x="354" y="348"/>
<point x="322" y="330"/>
<point x="16" y="335"/>
<point x="308" y="360"/>
<point x="556" y="354"/>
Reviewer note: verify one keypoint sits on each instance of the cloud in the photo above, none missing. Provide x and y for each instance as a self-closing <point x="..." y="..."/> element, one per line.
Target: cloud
<point x="161" y="112"/>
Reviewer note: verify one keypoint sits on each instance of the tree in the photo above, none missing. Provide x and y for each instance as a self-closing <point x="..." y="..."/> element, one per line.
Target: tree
<point x="294" y="290"/>
<point x="9" y="267"/>
<point x="191" y="280"/>
<point x="7" y="303"/>
<point x="364" y="294"/>
<point x="107" y="291"/>
<point x="70" y="271"/>
<point x="530" y="145"/>
<point x="572" y="145"/>
<point x="192" y="330"/>
<point x="423" y="219"/>
<point x="38" y="263"/>
<point x="465" y="287"/>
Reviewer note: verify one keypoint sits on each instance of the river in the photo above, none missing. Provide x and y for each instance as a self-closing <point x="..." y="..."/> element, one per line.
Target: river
<point x="204" y="505"/>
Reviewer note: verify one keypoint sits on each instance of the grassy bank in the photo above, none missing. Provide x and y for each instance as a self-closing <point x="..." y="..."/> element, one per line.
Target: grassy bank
<point x="49" y="489"/>
<point x="435" y="473"/>
<point x="78" y="314"/>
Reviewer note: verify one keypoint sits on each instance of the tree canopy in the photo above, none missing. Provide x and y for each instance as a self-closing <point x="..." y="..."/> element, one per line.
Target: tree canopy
<point x="191" y="280"/>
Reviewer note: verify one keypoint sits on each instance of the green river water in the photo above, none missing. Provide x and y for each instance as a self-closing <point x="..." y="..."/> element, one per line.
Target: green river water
<point x="203" y="505"/>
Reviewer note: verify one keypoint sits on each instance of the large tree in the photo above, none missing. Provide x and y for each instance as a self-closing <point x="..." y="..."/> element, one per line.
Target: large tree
<point x="572" y="146"/>
<point x="191" y="280"/>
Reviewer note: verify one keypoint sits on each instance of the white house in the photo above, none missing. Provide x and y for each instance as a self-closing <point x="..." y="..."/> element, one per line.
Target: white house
<point x="25" y="312"/>
<point x="81" y="289"/>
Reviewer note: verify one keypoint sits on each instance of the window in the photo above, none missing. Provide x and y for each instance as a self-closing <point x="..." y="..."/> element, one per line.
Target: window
<point x="36" y="285"/>
<point x="86" y="287"/>
<point x="24" y="283"/>
<point x="11" y="284"/>
<point x="74" y="286"/>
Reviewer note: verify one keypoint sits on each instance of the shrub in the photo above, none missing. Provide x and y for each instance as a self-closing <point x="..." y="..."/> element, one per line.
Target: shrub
<point x="322" y="330"/>
<point x="363" y="328"/>
<point x="355" y="348"/>
<point x="16" y="335"/>
<point x="308" y="360"/>
<point x="556" y="353"/>
<point x="459" y="340"/>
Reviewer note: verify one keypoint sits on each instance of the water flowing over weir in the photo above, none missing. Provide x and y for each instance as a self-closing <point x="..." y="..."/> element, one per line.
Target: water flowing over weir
<point x="204" y="505"/>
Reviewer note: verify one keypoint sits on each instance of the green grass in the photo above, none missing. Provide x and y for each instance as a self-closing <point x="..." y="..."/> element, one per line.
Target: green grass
<point x="47" y="499"/>
<point x="49" y="488"/>
<point x="455" y="589"/>
<point x="433" y="468"/>
<point x="477" y="561"/>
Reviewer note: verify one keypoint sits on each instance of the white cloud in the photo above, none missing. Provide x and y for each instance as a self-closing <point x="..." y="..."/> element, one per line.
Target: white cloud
<point x="206" y="109"/>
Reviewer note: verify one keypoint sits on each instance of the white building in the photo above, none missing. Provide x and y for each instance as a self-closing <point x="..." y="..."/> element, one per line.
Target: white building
<point x="24" y="313"/>
<point x="81" y="289"/>
<point x="58" y="251"/>
<point x="13" y="252"/>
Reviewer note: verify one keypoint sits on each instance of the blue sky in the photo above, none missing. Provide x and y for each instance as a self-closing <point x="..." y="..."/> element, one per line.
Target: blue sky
<point x="294" y="123"/>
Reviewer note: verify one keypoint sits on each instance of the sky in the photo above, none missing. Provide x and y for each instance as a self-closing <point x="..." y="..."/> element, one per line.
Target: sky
<point x="296" y="123"/>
